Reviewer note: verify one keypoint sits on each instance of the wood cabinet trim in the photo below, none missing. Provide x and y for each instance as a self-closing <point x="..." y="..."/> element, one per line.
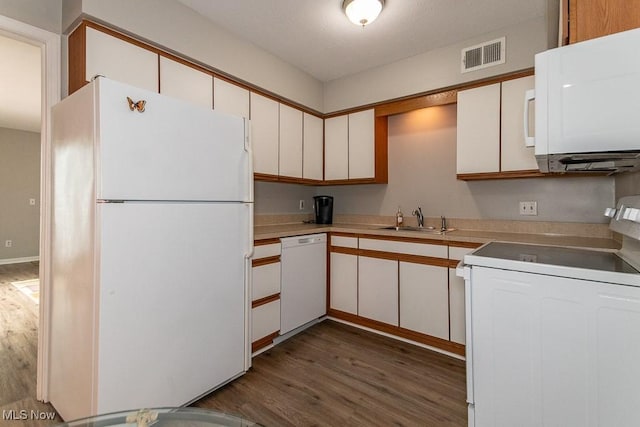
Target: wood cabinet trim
<point x="264" y="341"/>
<point x="265" y="300"/>
<point x="522" y="174"/>
<point x="440" y="343"/>
<point x="265" y="261"/>
<point x="344" y="250"/>
<point x="427" y="241"/>
<point x="394" y="256"/>
<point x="264" y="242"/>
<point x="471" y="245"/>
<point x="77" y="57"/>
<point x="417" y="103"/>
<point x="343" y="234"/>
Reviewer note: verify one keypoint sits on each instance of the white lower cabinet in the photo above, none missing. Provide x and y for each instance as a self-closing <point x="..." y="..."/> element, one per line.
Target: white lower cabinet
<point x="456" y="308"/>
<point x="265" y="293"/>
<point x="378" y="289"/>
<point x="265" y="320"/>
<point x="344" y="282"/>
<point x="424" y="299"/>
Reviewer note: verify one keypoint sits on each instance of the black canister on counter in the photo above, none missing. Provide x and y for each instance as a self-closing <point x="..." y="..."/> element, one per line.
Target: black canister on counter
<point x="323" y="208"/>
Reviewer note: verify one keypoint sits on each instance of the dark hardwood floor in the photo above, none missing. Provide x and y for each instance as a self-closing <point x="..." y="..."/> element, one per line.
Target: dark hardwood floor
<point x="18" y="348"/>
<point x="329" y="375"/>
<point x="336" y="375"/>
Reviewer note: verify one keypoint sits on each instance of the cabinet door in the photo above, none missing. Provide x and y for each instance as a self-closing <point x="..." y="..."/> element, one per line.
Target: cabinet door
<point x="290" y="147"/>
<point x="120" y="61"/>
<point x="344" y="282"/>
<point x="313" y="156"/>
<point x="264" y="133"/>
<point x="456" y="308"/>
<point x="513" y="153"/>
<point x="362" y="145"/>
<point x="265" y="281"/>
<point x="265" y="320"/>
<point x="424" y="299"/>
<point x="229" y="98"/>
<point x="184" y="82"/>
<point x="597" y="18"/>
<point x="336" y="148"/>
<point x="478" y="143"/>
<point x="378" y="289"/>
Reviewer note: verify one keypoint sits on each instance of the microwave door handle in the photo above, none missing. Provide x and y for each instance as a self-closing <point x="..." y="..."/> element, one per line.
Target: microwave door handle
<point x="530" y="95"/>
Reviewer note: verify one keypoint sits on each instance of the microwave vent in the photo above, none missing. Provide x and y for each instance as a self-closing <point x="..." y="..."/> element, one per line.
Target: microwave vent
<point x="483" y="55"/>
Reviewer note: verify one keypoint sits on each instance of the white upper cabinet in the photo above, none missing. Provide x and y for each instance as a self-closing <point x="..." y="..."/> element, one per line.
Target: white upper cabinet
<point x="313" y="150"/>
<point x="478" y="144"/>
<point x="336" y="148"/>
<point x="362" y="145"/>
<point x="491" y="129"/>
<point x="230" y="98"/>
<point x="264" y="133"/>
<point x="183" y="82"/>
<point x="121" y="61"/>
<point x="290" y="149"/>
<point x="349" y="146"/>
<point x="514" y="155"/>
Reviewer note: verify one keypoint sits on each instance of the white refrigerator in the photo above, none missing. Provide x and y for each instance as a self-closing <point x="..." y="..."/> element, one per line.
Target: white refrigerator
<point x="152" y="240"/>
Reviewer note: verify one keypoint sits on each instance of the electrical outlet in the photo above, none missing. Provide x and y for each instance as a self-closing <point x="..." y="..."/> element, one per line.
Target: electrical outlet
<point x="8" y="243"/>
<point x="301" y="205"/>
<point x="529" y="208"/>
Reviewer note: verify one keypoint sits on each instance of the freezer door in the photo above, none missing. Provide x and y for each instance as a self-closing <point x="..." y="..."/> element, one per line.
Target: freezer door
<point x="173" y="301"/>
<point x="170" y="151"/>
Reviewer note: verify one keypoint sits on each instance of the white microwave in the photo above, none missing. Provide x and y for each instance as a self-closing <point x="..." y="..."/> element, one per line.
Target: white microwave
<point x="587" y="106"/>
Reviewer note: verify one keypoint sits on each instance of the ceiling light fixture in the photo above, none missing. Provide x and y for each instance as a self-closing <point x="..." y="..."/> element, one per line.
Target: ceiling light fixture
<point x="362" y="12"/>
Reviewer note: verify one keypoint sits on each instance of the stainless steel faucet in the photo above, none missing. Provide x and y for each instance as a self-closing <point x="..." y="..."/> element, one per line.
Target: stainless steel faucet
<point x="419" y="216"/>
<point x="443" y="223"/>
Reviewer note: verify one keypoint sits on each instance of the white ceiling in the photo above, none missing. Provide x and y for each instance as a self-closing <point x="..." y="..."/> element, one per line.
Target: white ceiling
<point x="313" y="35"/>
<point x="20" y="86"/>
<point x="316" y="36"/>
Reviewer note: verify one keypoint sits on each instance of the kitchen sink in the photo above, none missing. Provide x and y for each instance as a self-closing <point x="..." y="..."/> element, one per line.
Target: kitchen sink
<point x="431" y="230"/>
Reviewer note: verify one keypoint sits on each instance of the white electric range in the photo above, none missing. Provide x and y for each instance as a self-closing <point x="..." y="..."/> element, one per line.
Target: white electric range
<point x="553" y="333"/>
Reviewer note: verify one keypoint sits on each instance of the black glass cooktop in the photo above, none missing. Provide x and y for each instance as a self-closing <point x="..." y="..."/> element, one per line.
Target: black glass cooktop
<point x="555" y="255"/>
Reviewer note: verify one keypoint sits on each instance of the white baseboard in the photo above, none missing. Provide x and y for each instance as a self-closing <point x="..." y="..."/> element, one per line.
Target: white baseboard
<point x="19" y="260"/>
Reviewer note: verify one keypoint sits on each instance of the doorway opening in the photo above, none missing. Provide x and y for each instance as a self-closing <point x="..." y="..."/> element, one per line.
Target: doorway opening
<point x="27" y="262"/>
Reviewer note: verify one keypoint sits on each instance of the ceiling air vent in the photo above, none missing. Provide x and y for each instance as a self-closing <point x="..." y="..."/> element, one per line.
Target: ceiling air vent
<point x="483" y="55"/>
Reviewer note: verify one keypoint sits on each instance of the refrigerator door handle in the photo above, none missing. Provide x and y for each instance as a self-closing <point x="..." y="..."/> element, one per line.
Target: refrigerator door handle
<point x="249" y="149"/>
<point x="248" y="270"/>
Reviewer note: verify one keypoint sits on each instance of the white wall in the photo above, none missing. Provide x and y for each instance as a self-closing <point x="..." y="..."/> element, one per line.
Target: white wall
<point x="422" y="172"/>
<point x="45" y="14"/>
<point x="435" y="69"/>
<point x="279" y="198"/>
<point x="171" y="25"/>
<point x="19" y="182"/>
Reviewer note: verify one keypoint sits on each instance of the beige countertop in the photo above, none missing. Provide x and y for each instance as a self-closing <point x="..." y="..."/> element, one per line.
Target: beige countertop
<point x="465" y="236"/>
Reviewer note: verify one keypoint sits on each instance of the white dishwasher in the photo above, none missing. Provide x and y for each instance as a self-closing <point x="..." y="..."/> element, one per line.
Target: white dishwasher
<point x="303" y="294"/>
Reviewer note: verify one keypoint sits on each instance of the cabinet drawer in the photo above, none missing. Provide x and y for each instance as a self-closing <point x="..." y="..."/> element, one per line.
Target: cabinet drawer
<point x="345" y="242"/>
<point x="266" y="281"/>
<point x="459" y="253"/>
<point x="265" y="320"/>
<point x="265" y="251"/>
<point x="409" y="248"/>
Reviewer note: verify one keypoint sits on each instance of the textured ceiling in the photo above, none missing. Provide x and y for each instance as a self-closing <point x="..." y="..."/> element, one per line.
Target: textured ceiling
<point x="19" y="85"/>
<point x="316" y="36"/>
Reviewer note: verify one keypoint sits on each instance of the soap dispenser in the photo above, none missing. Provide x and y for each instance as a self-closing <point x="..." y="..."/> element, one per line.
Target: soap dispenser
<point x="399" y="218"/>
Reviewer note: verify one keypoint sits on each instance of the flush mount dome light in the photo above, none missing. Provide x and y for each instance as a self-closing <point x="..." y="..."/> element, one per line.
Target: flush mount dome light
<point x="362" y="12"/>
